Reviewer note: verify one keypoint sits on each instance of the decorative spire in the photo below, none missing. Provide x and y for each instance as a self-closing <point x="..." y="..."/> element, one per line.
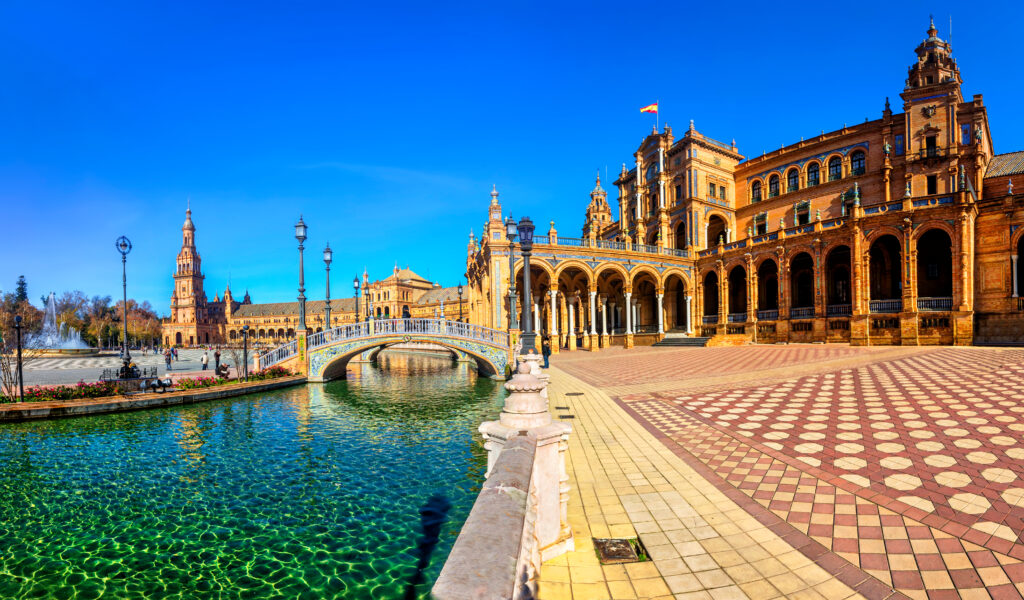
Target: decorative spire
<point x="691" y="125"/>
<point x="494" y="195"/>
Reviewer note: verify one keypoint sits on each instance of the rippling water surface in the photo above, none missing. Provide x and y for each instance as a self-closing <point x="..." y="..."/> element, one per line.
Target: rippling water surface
<point x="307" y="492"/>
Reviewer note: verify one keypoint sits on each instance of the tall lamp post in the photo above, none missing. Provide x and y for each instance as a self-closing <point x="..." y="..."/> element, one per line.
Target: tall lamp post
<point x="124" y="246"/>
<point x="245" y="352"/>
<point x="300" y="234"/>
<point x="21" y="377"/>
<point x="460" y="303"/>
<point x="510" y="233"/>
<point x="328" y="255"/>
<point x="355" y="287"/>
<point x="526" y="248"/>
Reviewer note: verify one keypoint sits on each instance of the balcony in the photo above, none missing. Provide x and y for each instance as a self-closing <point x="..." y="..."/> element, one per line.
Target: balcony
<point x="935" y="304"/>
<point x="932" y="153"/>
<point x="838" y="310"/>
<point x="768" y="315"/>
<point x="886" y="306"/>
<point x="738" y="317"/>
<point x="710" y="319"/>
<point x="804" y="312"/>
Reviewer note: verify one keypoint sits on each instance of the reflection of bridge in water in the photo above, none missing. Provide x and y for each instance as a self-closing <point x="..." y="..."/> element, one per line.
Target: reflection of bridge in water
<point x="326" y="354"/>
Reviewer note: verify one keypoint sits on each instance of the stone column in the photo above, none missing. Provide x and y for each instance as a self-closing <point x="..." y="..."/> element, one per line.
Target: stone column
<point x="604" y="321"/>
<point x="593" y="312"/>
<point x="628" y="315"/>
<point x="536" y="317"/>
<point x="1013" y="268"/>
<point x="571" y="331"/>
<point x="553" y="321"/>
<point x="661" y="310"/>
<point x="689" y="314"/>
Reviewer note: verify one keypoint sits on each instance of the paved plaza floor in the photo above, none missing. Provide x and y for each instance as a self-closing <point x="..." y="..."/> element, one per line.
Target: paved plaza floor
<point x="39" y="371"/>
<point x="893" y="472"/>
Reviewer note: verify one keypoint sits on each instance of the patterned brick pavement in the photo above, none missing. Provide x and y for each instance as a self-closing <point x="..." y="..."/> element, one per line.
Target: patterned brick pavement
<point x="905" y="466"/>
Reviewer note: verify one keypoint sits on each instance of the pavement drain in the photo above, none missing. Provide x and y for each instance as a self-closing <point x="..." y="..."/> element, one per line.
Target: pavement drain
<point x="561" y="408"/>
<point x="566" y="416"/>
<point x="574" y="393"/>
<point x="612" y="551"/>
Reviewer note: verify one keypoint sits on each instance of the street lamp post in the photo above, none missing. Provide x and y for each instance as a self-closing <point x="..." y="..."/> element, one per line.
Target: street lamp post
<point x="355" y="287"/>
<point x="300" y="234"/>
<point x="510" y="233"/>
<point x="124" y="246"/>
<point x="21" y="377"/>
<point x="460" y="303"/>
<point x="526" y="248"/>
<point x="328" y="255"/>
<point x="245" y="351"/>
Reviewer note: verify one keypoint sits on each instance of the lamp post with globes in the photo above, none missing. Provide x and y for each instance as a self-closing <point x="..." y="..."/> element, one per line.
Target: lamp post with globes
<point x="328" y="255"/>
<point x="21" y="376"/>
<point x="300" y="234"/>
<point x="124" y="246"/>
<point x="355" y="290"/>
<point x="460" y="303"/>
<point x="510" y="233"/>
<point x="526" y="248"/>
<point x="245" y="352"/>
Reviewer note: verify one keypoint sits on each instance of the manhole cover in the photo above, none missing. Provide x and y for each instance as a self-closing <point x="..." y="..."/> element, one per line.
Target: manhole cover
<point x="616" y="550"/>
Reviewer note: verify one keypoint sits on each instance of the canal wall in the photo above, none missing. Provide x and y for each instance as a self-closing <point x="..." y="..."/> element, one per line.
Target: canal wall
<point x="520" y="518"/>
<point x="26" y="411"/>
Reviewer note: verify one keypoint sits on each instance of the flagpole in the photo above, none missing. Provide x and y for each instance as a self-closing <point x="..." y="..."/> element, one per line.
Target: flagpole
<point x="657" y="115"/>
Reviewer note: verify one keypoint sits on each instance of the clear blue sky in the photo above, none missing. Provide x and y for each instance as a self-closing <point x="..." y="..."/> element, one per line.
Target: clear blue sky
<point x="385" y="124"/>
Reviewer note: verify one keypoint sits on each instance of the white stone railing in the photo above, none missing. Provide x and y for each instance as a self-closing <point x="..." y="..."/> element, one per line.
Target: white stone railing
<point x="277" y="355"/>
<point x="438" y="327"/>
<point x="520" y="518"/>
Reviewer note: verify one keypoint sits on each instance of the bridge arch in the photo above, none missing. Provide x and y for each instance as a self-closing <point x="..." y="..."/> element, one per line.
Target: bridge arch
<point x="330" y="362"/>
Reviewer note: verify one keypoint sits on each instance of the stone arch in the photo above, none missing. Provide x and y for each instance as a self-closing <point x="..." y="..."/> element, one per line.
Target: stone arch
<point x="885" y="267"/>
<point x="618" y="268"/>
<point x="535" y="263"/>
<point x="712" y="229"/>
<point x="935" y="251"/>
<point x="801" y="277"/>
<point x="373" y="353"/>
<point x="330" y="362"/>
<point x="931" y="225"/>
<point x="676" y="290"/>
<point x="838" y="273"/>
<point x="737" y="291"/>
<point x="767" y="270"/>
<point x="177" y="338"/>
<point x="709" y="282"/>
<point x="883" y="230"/>
<point x="639" y="269"/>
<point x="574" y="264"/>
<point x="793" y="251"/>
<point x="676" y="272"/>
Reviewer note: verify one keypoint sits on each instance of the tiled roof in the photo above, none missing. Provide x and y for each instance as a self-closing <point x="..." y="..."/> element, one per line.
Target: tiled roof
<point x="1011" y="163"/>
<point x="436" y="295"/>
<point x="406" y="274"/>
<point x="292" y="308"/>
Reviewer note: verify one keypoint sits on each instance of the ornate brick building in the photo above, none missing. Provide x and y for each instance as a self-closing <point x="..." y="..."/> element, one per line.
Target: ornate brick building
<point x="901" y="230"/>
<point x="194" y="320"/>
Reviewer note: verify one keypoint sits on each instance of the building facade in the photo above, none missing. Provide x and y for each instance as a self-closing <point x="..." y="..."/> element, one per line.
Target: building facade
<point x="901" y="230"/>
<point x="194" y="320"/>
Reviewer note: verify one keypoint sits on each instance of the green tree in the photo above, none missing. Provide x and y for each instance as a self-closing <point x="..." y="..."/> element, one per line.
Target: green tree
<point x="21" y="290"/>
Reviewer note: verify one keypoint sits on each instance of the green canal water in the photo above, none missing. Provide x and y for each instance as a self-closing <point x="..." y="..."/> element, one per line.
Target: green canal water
<point x="307" y="492"/>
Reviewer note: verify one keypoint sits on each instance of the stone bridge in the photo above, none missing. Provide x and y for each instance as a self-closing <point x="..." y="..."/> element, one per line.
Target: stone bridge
<point x="323" y="356"/>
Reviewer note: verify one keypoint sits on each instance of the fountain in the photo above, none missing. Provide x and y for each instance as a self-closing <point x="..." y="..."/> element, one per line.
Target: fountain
<point x="57" y="340"/>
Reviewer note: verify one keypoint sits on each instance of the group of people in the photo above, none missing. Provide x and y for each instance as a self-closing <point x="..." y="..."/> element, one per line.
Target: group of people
<point x="221" y="370"/>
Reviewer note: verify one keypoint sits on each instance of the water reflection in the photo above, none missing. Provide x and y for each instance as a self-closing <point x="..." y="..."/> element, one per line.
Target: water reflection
<point x="312" y="490"/>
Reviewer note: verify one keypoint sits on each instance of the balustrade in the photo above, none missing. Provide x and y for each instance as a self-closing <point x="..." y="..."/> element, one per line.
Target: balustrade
<point x="737" y="317"/>
<point x="803" y="312"/>
<point x="768" y="315"/>
<point x="839" y="310"/>
<point x="886" y="306"/>
<point x="935" y="304"/>
<point x="710" y="319"/>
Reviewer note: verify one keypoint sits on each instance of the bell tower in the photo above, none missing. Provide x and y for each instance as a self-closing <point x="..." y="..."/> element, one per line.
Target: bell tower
<point x="188" y="298"/>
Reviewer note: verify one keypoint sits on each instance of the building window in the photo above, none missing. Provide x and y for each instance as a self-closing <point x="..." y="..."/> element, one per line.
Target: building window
<point x="711" y="190"/>
<point x="773" y="186"/>
<point x="899" y="145"/>
<point x="835" y="169"/>
<point x="792" y="180"/>
<point x="965" y="134"/>
<point x="721" y="192"/>
<point x="931" y="146"/>
<point x="933" y="184"/>
<point x="857" y="163"/>
<point x="761" y="224"/>
<point x="679" y="193"/>
<point x="803" y="213"/>
<point x="812" y="175"/>
<point x="755" y="192"/>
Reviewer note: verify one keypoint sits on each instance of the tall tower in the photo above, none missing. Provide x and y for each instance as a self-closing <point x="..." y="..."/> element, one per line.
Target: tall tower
<point x="188" y="300"/>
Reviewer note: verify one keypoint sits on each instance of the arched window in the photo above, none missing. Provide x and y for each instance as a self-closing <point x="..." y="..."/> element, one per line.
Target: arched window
<point x="835" y="169"/>
<point x="773" y="186"/>
<point x="792" y="180"/>
<point x="755" y="192"/>
<point x="812" y="175"/>
<point x="857" y="163"/>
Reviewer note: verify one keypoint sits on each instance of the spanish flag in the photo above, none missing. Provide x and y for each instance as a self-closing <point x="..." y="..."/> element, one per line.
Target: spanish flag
<point x="650" y="108"/>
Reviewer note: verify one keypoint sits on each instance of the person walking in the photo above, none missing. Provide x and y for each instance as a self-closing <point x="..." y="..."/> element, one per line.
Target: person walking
<point x="545" y="348"/>
<point x="205" y="359"/>
<point x="167" y="358"/>
<point x="216" y="359"/>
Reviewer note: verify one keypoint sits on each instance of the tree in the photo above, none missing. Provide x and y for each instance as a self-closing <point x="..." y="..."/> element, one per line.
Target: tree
<point x="21" y="290"/>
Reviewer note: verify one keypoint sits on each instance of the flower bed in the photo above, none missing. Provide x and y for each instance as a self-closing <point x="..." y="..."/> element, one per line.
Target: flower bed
<point x="270" y="373"/>
<point x="205" y="382"/>
<point x="66" y="392"/>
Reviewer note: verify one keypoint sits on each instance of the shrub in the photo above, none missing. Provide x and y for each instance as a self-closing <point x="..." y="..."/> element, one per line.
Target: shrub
<point x="270" y="373"/>
<point x="67" y="392"/>
<point x="199" y="382"/>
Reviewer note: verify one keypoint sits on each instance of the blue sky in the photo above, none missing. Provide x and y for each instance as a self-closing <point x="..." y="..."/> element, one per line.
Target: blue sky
<point x="385" y="125"/>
